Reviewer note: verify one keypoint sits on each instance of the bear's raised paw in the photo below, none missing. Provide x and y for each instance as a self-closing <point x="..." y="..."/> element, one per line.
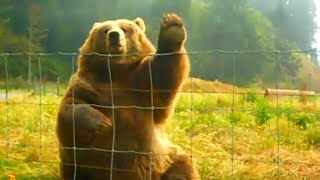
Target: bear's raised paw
<point x="172" y="29"/>
<point x="171" y="19"/>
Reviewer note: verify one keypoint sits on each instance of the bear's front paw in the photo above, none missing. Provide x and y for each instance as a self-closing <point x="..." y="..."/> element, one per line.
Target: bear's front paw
<point x="172" y="30"/>
<point x="104" y="126"/>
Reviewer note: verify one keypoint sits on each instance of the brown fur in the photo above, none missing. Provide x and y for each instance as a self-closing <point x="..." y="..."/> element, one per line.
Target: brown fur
<point x="137" y="128"/>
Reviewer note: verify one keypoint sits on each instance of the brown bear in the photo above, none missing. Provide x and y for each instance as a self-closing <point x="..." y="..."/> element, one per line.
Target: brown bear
<point x="111" y="119"/>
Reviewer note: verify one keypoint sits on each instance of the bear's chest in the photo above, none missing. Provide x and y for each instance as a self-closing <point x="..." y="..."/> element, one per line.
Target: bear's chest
<point x="129" y="111"/>
<point x="117" y="97"/>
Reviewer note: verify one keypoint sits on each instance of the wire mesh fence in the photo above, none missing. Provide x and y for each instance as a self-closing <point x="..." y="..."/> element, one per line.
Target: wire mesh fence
<point x="232" y="133"/>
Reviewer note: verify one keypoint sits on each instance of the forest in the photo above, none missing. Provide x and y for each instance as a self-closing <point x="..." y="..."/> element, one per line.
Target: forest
<point x="52" y="26"/>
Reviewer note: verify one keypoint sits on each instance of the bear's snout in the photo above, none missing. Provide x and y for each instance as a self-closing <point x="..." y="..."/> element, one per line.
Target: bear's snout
<point x="114" y="38"/>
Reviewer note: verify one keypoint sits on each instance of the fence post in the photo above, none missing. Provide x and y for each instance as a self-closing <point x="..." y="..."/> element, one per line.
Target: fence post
<point x="29" y="72"/>
<point x="58" y="86"/>
<point x="44" y="87"/>
<point x="36" y="87"/>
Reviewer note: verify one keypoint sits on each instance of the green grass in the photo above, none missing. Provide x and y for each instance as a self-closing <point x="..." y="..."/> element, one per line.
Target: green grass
<point x="212" y="127"/>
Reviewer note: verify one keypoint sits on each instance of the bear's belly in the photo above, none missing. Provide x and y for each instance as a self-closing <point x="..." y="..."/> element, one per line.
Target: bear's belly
<point x="137" y="145"/>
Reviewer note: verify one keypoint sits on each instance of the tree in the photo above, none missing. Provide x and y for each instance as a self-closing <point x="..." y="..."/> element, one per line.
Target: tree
<point x="293" y="19"/>
<point x="242" y="25"/>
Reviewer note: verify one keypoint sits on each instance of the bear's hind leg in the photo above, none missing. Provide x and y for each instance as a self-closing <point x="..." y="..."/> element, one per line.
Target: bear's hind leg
<point x="181" y="169"/>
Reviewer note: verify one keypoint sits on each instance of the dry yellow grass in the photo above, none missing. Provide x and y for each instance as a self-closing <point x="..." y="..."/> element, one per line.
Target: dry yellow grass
<point x="200" y="85"/>
<point x="203" y="124"/>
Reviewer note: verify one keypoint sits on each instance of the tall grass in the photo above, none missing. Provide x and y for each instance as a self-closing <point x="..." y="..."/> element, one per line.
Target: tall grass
<point x="213" y="127"/>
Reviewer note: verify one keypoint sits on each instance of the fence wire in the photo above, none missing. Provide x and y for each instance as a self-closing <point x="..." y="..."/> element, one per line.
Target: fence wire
<point x="233" y="109"/>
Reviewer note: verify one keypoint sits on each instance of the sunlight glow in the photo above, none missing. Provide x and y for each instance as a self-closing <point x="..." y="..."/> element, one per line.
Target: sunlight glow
<point x="317" y="19"/>
<point x="317" y="35"/>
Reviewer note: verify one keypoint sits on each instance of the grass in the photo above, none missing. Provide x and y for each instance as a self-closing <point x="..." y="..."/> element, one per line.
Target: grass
<point x="204" y="124"/>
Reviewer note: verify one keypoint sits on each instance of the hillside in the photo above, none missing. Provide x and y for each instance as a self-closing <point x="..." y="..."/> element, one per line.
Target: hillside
<point x="206" y="86"/>
<point x="308" y="75"/>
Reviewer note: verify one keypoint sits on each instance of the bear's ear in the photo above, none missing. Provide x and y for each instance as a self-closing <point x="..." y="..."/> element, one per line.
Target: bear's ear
<point x="94" y="28"/>
<point x="88" y="44"/>
<point x="140" y="23"/>
<point x="95" y="25"/>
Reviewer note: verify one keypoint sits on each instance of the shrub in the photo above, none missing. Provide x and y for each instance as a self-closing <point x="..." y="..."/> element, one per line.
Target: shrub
<point x="313" y="136"/>
<point x="263" y="113"/>
<point x="302" y="120"/>
<point x="250" y="97"/>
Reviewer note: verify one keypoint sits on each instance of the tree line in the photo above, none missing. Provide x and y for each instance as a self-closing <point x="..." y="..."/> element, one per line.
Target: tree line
<point x="229" y="25"/>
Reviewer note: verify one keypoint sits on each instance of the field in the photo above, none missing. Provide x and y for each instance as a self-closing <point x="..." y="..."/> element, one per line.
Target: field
<point x="245" y="136"/>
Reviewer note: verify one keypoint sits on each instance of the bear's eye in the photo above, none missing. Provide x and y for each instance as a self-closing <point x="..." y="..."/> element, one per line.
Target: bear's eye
<point x="105" y="31"/>
<point x="125" y="30"/>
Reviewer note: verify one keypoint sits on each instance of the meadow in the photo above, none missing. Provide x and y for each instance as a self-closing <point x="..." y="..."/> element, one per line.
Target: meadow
<point x="242" y="135"/>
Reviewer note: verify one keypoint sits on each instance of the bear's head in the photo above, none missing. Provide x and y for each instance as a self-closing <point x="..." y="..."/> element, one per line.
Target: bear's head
<point x="118" y="37"/>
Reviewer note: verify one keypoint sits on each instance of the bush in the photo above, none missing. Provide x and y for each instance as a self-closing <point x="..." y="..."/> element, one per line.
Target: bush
<point x="250" y="97"/>
<point x="313" y="136"/>
<point x="262" y="113"/>
<point x="302" y="120"/>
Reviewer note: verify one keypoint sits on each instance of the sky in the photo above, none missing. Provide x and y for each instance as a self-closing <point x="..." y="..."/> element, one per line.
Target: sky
<point x="317" y="37"/>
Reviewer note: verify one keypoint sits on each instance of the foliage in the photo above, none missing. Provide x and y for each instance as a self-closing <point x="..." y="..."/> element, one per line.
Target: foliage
<point x="313" y="136"/>
<point x="250" y="97"/>
<point x="293" y="19"/>
<point x="263" y="112"/>
<point x="217" y="24"/>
